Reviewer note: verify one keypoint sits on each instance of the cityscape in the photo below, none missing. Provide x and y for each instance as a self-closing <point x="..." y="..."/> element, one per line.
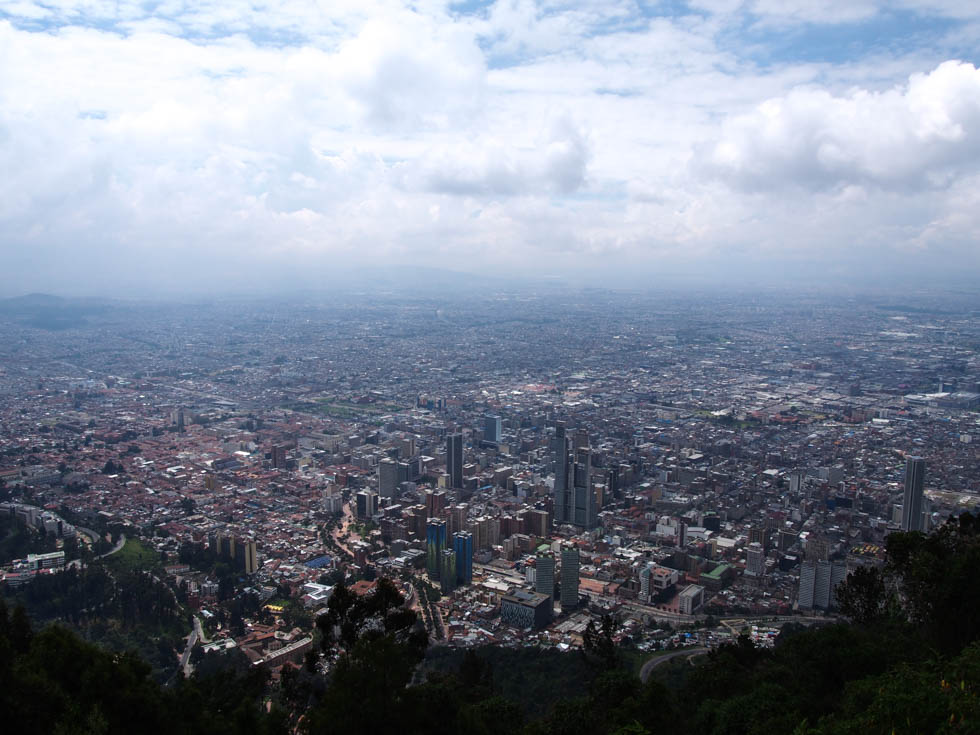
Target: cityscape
<point x="524" y="463"/>
<point x="495" y="367"/>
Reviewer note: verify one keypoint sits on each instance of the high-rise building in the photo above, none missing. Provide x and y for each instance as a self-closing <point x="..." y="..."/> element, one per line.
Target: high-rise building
<point x="755" y="559"/>
<point x="454" y="460"/>
<point x="278" y="456"/>
<point x="387" y="478"/>
<point x="447" y="571"/>
<point x="435" y="542"/>
<point x="563" y="492"/>
<point x="586" y="503"/>
<point x="366" y="503"/>
<point x="818" y="580"/>
<point x="492" y="428"/>
<point x="544" y="580"/>
<point x="915" y="472"/>
<point x="435" y="503"/>
<point x="245" y="556"/>
<point x="457" y="518"/>
<point x="569" y="577"/>
<point x="463" y="546"/>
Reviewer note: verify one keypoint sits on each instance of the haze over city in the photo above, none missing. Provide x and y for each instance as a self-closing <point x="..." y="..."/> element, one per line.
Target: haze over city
<point x="170" y="148"/>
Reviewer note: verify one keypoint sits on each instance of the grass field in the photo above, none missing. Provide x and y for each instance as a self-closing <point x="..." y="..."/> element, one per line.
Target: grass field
<point x="134" y="556"/>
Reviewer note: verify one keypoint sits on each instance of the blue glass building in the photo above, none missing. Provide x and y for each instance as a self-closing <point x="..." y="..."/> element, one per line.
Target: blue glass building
<point x="463" y="545"/>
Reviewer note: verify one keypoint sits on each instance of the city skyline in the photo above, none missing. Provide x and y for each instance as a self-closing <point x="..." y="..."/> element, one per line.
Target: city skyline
<point x="210" y="150"/>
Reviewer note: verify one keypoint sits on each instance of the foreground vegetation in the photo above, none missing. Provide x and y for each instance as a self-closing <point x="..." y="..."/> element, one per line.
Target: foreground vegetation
<point x="907" y="662"/>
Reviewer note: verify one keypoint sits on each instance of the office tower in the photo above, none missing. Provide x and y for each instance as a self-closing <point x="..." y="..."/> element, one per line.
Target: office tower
<point x="795" y="482"/>
<point x="463" y="546"/>
<point x="755" y="560"/>
<point x="279" y="456"/>
<point x="492" y="428"/>
<point x="586" y="504"/>
<point x="447" y="571"/>
<point x="435" y="539"/>
<point x="457" y="518"/>
<point x="366" y="504"/>
<point x="915" y="471"/>
<point x="544" y="580"/>
<point x="818" y="581"/>
<point x="387" y="478"/>
<point x="569" y="577"/>
<point x="245" y="556"/>
<point x="435" y="503"/>
<point x="563" y="491"/>
<point x="454" y="460"/>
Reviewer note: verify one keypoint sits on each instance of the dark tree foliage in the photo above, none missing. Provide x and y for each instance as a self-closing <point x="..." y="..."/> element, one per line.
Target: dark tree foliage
<point x="52" y="681"/>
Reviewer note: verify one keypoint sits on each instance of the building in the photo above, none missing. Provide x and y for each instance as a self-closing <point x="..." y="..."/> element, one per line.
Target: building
<point x="435" y="543"/>
<point x="755" y="559"/>
<point x="52" y="560"/>
<point x="690" y="599"/>
<point x="563" y="492"/>
<point x="818" y="580"/>
<point x="367" y="504"/>
<point x="915" y="471"/>
<point x="463" y="546"/>
<point x="454" y="460"/>
<point x="447" y="571"/>
<point x="387" y="477"/>
<point x="528" y="610"/>
<point x="435" y="503"/>
<point x="544" y="579"/>
<point x="569" y="577"/>
<point x="586" y="505"/>
<point x="492" y="428"/>
<point x="245" y="557"/>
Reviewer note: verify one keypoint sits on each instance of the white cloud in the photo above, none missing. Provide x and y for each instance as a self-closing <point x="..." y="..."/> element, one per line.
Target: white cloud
<point x="923" y="134"/>
<point x="201" y="141"/>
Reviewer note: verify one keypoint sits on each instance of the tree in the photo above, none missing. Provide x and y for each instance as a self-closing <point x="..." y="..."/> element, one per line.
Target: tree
<point x="862" y="597"/>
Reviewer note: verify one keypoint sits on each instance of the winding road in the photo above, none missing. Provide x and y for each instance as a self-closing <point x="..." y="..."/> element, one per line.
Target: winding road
<point x="654" y="662"/>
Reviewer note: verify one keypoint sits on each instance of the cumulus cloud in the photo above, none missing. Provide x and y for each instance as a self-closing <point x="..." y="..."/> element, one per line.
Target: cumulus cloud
<point x="922" y="134"/>
<point x="178" y="142"/>
<point x="555" y="163"/>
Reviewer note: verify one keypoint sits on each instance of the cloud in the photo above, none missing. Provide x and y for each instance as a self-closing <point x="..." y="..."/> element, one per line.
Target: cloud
<point x="227" y="145"/>
<point x="555" y="163"/>
<point x="920" y="135"/>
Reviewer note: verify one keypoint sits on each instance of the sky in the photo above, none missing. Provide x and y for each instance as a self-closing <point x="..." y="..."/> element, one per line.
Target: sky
<point x="209" y="146"/>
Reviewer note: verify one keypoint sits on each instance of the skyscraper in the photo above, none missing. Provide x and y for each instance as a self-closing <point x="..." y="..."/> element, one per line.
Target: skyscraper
<point x="586" y="505"/>
<point x="563" y="494"/>
<point x="544" y="580"/>
<point x="435" y="538"/>
<point x="454" y="460"/>
<point x="387" y="477"/>
<point x="915" y="472"/>
<point x="447" y="571"/>
<point x="755" y="559"/>
<point x="492" y="428"/>
<point x="569" y="577"/>
<point x="463" y="545"/>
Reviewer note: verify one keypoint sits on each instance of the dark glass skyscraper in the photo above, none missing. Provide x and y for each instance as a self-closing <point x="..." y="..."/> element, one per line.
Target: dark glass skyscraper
<point x="563" y="494"/>
<point x="435" y="543"/>
<point x="454" y="460"/>
<point x="492" y="428"/>
<point x="463" y="545"/>
<point x="915" y="473"/>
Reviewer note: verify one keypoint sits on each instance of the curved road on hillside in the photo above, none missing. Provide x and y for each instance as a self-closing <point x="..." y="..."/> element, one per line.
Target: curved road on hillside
<point x="657" y="660"/>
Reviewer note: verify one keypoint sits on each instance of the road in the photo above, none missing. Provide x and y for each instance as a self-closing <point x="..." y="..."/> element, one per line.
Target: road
<point x="185" y="657"/>
<point x="654" y="662"/>
<point x="77" y="563"/>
